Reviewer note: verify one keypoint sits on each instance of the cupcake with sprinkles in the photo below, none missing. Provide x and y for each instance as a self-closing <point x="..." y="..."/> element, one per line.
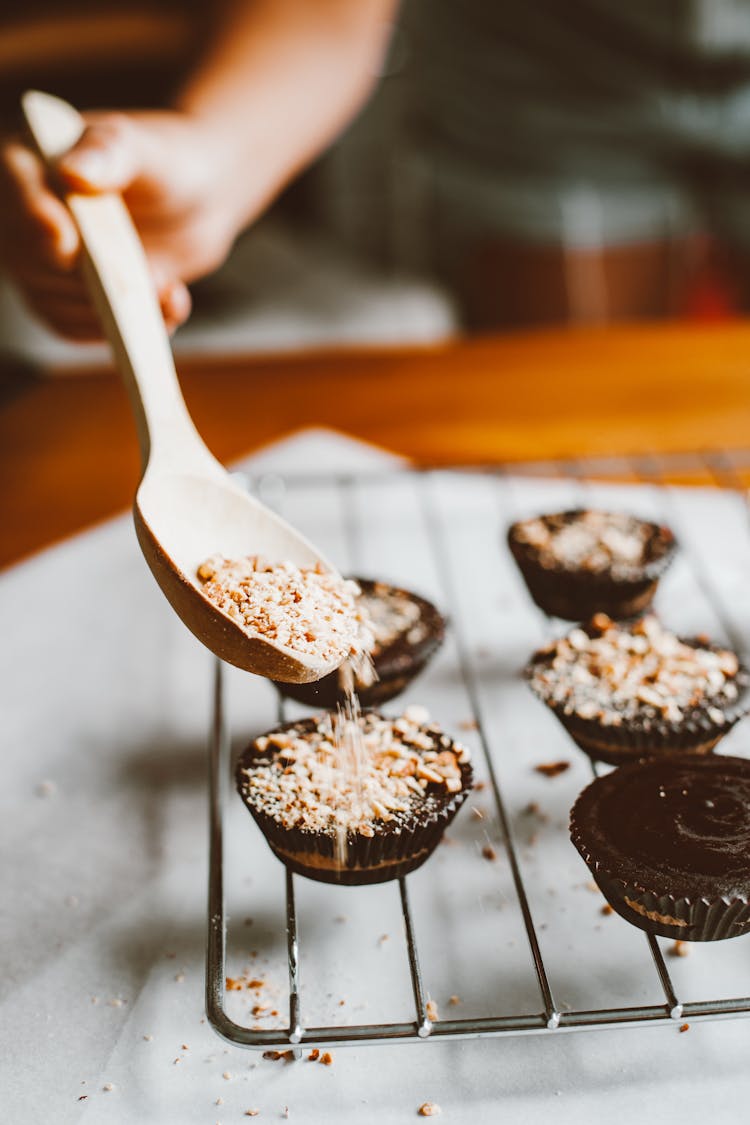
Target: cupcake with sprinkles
<point x="355" y="798"/>
<point x="627" y="692"/>
<point x="584" y="561"/>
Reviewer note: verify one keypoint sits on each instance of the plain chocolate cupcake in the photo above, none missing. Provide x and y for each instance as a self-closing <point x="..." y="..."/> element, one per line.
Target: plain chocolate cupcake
<point x="668" y="843"/>
<point x="407" y="630"/>
<point x="581" y="562"/>
<point x="626" y="692"/>
<point x="354" y="800"/>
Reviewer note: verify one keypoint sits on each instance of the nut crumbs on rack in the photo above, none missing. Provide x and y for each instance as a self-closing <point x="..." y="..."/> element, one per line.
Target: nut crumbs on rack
<point x="305" y="609"/>
<point x="429" y="1109"/>
<point x="552" y="769"/>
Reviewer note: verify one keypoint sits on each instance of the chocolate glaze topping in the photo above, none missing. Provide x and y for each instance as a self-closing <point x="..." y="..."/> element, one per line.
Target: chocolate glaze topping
<point x="677" y="826"/>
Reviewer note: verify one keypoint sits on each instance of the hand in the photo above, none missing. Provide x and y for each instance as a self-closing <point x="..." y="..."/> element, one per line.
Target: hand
<point x="174" y="181"/>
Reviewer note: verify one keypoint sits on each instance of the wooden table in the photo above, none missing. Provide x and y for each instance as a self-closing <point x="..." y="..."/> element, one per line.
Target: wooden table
<point x="69" y="454"/>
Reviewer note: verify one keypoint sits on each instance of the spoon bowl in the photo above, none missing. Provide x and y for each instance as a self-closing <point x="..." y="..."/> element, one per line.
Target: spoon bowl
<point x="187" y="507"/>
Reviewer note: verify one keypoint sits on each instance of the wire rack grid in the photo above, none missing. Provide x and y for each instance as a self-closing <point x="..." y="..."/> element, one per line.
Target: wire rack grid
<point x="549" y="1018"/>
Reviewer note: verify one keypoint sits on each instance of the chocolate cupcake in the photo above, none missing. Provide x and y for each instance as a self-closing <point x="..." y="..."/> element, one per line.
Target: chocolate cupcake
<point x="405" y="632"/>
<point x="624" y="693"/>
<point x="668" y="843"/>
<point x="581" y="562"/>
<point x="358" y="799"/>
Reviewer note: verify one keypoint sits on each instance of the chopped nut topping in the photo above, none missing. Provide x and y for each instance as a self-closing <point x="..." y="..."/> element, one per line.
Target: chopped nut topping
<point x="599" y="542"/>
<point x="352" y="772"/>
<point x="684" y="1027"/>
<point x="314" y="1055"/>
<point x="613" y="674"/>
<point x="305" y="609"/>
<point x="326" y="1058"/>
<point x="390" y="614"/>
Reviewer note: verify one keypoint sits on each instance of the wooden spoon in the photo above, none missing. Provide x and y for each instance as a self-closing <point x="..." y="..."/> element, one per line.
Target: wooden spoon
<point x="187" y="507"/>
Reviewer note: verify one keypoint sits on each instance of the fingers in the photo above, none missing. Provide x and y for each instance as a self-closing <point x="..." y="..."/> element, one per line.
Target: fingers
<point x="108" y="156"/>
<point x="35" y="226"/>
<point x="67" y="308"/>
<point x="175" y="304"/>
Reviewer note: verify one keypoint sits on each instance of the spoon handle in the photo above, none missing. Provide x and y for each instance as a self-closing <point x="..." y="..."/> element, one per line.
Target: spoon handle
<point x="121" y="288"/>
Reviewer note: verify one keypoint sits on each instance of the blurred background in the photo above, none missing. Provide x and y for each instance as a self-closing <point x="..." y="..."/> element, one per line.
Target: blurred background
<point x="567" y="164"/>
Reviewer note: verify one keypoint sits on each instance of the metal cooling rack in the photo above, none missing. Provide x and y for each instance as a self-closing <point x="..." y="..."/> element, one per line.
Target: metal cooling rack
<point x="728" y="470"/>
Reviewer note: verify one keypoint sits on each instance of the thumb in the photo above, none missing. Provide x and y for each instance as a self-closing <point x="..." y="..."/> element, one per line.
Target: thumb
<point x="105" y="158"/>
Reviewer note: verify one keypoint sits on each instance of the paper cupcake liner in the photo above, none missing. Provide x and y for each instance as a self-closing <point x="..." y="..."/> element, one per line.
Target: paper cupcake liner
<point x="618" y="745"/>
<point x="368" y="859"/>
<point x="678" y="918"/>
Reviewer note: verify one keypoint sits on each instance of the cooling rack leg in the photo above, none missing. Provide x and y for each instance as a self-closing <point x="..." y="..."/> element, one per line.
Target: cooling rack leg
<point x="673" y="1004"/>
<point x="424" y="1023"/>
<point x="216" y="943"/>
<point x="295" y="1030"/>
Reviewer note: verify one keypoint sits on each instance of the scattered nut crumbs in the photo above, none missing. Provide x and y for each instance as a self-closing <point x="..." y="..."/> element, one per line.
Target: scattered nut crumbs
<point x="116" y="1002"/>
<point x="306" y="609"/>
<point x="489" y="853"/>
<point x="684" y="1027"/>
<point x="552" y="769"/>
<point x="148" y="1038"/>
<point x="179" y="977"/>
<point x="82" y="1097"/>
<point x="252" y="1112"/>
<point x="453" y="1000"/>
<point x="326" y="1058"/>
<point x="607" y="909"/>
<point x="679" y="949"/>
<point x="314" y="1055"/>
<point x="383" y="938"/>
<point x="468" y="724"/>
<point x="219" y="1101"/>
<point x="108" y="1087"/>
<point x="480" y="785"/>
<point x="227" y="1074"/>
<point x="592" y="886"/>
<point x="432" y="1011"/>
<point x="429" y="1109"/>
<point x="273" y="1056"/>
